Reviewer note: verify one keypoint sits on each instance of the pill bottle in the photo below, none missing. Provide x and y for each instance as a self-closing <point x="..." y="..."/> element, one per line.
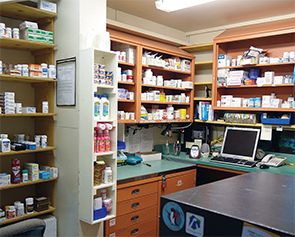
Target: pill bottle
<point x="170" y="112"/>
<point x="16" y="204"/>
<point x="8" y="32"/>
<point x="43" y="141"/>
<point x="11" y="212"/>
<point x="286" y="57"/>
<point x="292" y="56"/>
<point x="2" y="29"/>
<point x="148" y="73"/>
<point x="38" y="140"/>
<point x="108" y="204"/>
<point x="218" y="103"/>
<point x="160" y="80"/>
<point x="104" y="107"/>
<point x="29" y="206"/>
<point x="5" y="143"/>
<point x="44" y="107"/>
<point x="25" y="70"/>
<point x="1" y="68"/>
<point x="123" y="76"/>
<point x="103" y="193"/>
<point x="107" y="175"/>
<point x="52" y="72"/>
<point x="97" y="106"/>
<point x="44" y="70"/>
<point x="251" y="102"/>
<point x="257" y="102"/>
<point x="15" y="33"/>
<point x="20" y="211"/>
<point x="25" y="176"/>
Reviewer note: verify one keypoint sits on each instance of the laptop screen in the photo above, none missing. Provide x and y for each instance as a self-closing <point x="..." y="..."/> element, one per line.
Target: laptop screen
<point x="240" y="142"/>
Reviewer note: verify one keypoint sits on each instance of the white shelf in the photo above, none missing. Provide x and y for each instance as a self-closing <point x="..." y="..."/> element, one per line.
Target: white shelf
<point x="87" y="190"/>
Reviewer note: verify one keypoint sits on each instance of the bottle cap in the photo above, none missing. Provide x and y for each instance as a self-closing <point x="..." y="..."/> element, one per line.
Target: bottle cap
<point x="24" y="171"/>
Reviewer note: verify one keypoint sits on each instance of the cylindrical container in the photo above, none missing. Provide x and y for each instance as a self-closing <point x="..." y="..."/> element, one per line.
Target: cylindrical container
<point x="44" y="70"/>
<point x="97" y="173"/>
<point x="25" y="176"/>
<point x="257" y="102"/>
<point x="103" y="193"/>
<point x="18" y="108"/>
<point x="16" y="203"/>
<point x="25" y="70"/>
<point x="8" y="32"/>
<point x="148" y="73"/>
<point x="1" y="68"/>
<point x="43" y="141"/>
<point x="130" y="95"/>
<point x="107" y="175"/>
<point x="176" y="114"/>
<point x="44" y="107"/>
<point x="52" y="72"/>
<point x="5" y="143"/>
<point x="15" y="33"/>
<point x="218" y="103"/>
<point x="132" y="116"/>
<point x="251" y="102"/>
<point x="108" y="204"/>
<point x="123" y="76"/>
<point x="127" y="116"/>
<point x="29" y="205"/>
<point x="170" y="112"/>
<point x="11" y="212"/>
<point x="160" y="80"/>
<point x="105" y="107"/>
<point x="96" y="106"/>
<point x="38" y="140"/>
<point x="15" y="171"/>
<point x="286" y="57"/>
<point x="292" y="56"/>
<point x="123" y="56"/>
<point x="129" y="73"/>
<point x="20" y="211"/>
<point x="2" y="30"/>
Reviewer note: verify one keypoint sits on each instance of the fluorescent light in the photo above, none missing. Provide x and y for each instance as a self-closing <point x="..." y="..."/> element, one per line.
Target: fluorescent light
<point x="174" y="5"/>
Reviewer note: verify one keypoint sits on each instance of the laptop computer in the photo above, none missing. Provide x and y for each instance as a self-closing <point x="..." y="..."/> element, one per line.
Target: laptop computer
<point x="239" y="147"/>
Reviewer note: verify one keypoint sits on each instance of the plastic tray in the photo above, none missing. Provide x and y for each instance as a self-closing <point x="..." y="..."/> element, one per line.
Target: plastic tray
<point x="100" y="213"/>
<point x="277" y="120"/>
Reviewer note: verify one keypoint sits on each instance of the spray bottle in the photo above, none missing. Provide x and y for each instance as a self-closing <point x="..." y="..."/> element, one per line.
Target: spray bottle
<point x="100" y="138"/>
<point x="107" y="138"/>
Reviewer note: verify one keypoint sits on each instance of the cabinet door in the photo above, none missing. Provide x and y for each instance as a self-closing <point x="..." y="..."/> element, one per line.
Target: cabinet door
<point x="133" y="218"/>
<point x="179" y="181"/>
<point x="136" y="191"/>
<point x="136" y="204"/>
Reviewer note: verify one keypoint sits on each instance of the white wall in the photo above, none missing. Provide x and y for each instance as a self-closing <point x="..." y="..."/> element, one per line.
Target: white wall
<point x="76" y="19"/>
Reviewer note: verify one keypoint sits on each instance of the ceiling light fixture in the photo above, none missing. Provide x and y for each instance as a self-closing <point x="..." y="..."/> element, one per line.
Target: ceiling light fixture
<point x="174" y="5"/>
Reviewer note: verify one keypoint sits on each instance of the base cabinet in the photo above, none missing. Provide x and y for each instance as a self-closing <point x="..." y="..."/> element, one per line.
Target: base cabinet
<point x="138" y="204"/>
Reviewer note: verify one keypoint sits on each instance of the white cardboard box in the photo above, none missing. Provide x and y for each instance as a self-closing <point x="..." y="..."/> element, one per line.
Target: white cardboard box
<point x="147" y="156"/>
<point x="47" y="6"/>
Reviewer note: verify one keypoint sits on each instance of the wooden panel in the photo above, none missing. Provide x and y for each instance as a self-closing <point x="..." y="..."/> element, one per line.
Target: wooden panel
<point x="258" y="30"/>
<point x="141" y="229"/>
<point x="153" y="233"/>
<point x="198" y="47"/>
<point x="178" y="181"/>
<point x="136" y="204"/>
<point x="130" y="219"/>
<point x="20" y="44"/>
<point x="136" y="191"/>
<point x="13" y="78"/>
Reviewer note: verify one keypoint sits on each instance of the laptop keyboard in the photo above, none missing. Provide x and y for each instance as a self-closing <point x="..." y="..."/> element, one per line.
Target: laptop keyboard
<point x="233" y="161"/>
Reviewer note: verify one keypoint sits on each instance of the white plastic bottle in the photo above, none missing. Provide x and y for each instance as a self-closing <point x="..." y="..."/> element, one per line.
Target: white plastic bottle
<point x="52" y="72"/>
<point x="4" y="143"/>
<point x="44" y="70"/>
<point x="104" y="107"/>
<point x="107" y="175"/>
<point x="97" y="106"/>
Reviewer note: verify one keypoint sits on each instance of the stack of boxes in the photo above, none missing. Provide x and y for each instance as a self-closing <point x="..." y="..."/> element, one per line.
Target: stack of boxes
<point x="7" y="101"/>
<point x="29" y="31"/>
<point x="33" y="169"/>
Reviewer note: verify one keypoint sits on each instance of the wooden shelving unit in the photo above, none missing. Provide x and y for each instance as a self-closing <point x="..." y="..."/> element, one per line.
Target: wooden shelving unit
<point x="269" y="36"/>
<point x="142" y="45"/>
<point x="34" y="91"/>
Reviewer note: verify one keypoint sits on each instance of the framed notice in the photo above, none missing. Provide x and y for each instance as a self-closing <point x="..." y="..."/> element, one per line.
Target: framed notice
<point x="66" y="82"/>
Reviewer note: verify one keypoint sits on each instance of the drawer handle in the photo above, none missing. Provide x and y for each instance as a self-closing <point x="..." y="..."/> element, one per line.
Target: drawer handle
<point x="135" y="218"/>
<point x="135" y="192"/>
<point x="135" y="205"/>
<point x="133" y="232"/>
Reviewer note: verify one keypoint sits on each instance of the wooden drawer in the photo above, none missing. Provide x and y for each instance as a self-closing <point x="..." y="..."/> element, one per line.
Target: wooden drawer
<point x="136" y="191"/>
<point x="140" y="229"/>
<point x="133" y="218"/>
<point x="179" y="181"/>
<point x="152" y="233"/>
<point x="136" y="204"/>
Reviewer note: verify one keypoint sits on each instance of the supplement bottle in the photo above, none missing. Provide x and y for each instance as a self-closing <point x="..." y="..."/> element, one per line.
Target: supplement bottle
<point x="25" y="70"/>
<point x="2" y="30"/>
<point x="52" y="72"/>
<point x="5" y="143"/>
<point x="25" y="176"/>
<point x="15" y="171"/>
<point x="15" y="33"/>
<point x="29" y="206"/>
<point x="107" y="175"/>
<point x="97" y="106"/>
<point x="20" y="211"/>
<point x="11" y="212"/>
<point x="44" y="70"/>
<point x="104" y="107"/>
<point x="8" y="32"/>
<point x="44" y="107"/>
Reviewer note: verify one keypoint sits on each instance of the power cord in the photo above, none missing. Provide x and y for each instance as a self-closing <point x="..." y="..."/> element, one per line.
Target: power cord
<point x="217" y="140"/>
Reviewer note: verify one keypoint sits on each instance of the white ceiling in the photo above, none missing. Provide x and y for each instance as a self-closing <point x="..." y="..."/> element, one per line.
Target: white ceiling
<point x="213" y="14"/>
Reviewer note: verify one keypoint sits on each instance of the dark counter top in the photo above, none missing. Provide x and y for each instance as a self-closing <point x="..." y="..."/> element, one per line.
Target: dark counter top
<point x="260" y="198"/>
